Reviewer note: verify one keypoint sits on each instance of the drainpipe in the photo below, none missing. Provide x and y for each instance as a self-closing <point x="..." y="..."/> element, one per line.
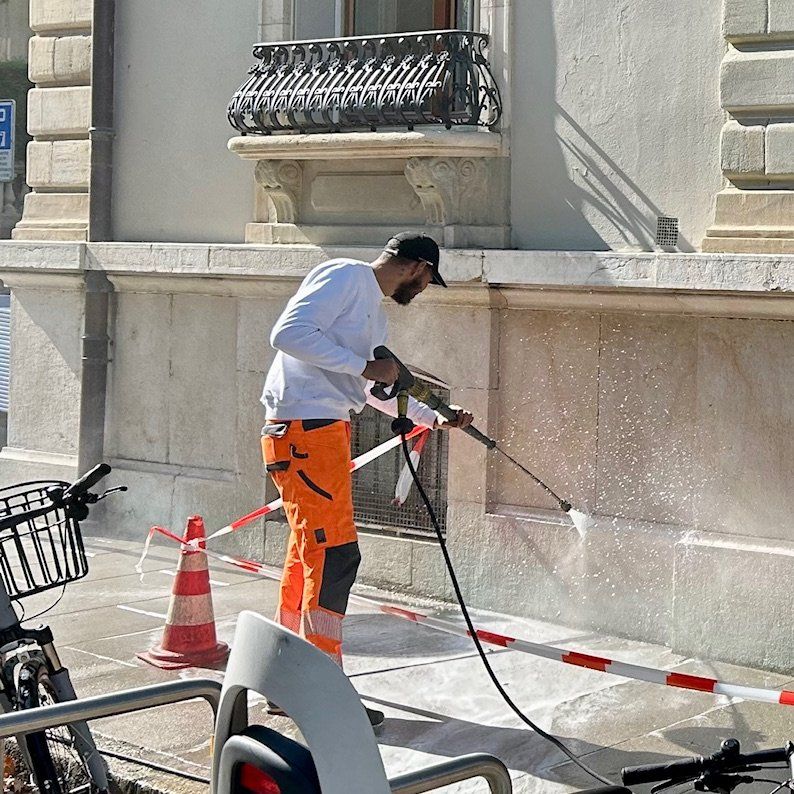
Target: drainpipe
<point x="101" y="132"/>
<point x="93" y="382"/>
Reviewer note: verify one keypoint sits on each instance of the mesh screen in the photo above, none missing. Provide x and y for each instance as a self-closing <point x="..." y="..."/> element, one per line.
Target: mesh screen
<point x="374" y="484"/>
<point x="667" y="232"/>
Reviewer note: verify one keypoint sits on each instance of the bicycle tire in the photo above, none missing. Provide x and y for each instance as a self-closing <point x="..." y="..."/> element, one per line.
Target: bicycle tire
<point x="57" y="766"/>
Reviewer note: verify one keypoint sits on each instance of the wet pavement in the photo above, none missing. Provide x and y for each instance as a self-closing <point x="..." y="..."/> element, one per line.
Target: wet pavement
<point x="436" y="696"/>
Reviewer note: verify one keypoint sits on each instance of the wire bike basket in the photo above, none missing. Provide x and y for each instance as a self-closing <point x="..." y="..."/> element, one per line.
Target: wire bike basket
<point x="41" y="545"/>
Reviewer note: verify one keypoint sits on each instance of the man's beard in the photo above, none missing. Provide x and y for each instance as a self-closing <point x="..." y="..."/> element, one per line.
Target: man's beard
<point x="405" y="293"/>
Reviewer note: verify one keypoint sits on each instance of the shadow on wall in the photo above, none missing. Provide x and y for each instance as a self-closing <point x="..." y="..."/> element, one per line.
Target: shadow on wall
<point x="604" y="188"/>
<point x="567" y="192"/>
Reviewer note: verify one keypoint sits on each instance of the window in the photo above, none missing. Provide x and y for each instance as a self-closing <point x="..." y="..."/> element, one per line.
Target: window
<point x="317" y="19"/>
<point x="367" y="17"/>
<point x="374" y="484"/>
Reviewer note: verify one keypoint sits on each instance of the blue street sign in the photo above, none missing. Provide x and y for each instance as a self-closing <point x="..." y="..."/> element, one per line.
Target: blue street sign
<point x="7" y="111"/>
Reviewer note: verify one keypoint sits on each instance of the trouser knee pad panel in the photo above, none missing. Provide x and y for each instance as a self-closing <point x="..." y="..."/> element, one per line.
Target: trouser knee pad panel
<point x="339" y="574"/>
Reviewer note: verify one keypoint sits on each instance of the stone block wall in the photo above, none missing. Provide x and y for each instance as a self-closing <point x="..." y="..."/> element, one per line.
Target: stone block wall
<point x="754" y="212"/>
<point x="59" y="116"/>
<point x="672" y="432"/>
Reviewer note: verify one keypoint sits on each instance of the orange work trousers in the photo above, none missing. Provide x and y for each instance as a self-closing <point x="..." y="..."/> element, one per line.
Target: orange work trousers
<point x="309" y="462"/>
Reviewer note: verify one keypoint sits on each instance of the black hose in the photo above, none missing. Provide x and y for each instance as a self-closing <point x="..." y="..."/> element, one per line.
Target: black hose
<point x="473" y="631"/>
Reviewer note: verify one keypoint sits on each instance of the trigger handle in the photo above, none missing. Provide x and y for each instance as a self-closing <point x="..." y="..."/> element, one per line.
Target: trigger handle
<point x="379" y="389"/>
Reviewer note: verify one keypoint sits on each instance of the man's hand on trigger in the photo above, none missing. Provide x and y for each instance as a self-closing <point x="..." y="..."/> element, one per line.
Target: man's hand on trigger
<point x="462" y="419"/>
<point x="382" y="370"/>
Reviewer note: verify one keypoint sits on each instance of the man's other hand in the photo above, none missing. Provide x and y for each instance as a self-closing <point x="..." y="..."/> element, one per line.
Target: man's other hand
<point x="462" y="419"/>
<point x="382" y="370"/>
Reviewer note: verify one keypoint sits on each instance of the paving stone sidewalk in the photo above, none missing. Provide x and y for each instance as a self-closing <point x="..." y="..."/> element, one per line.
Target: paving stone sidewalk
<point x="436" y="696"/>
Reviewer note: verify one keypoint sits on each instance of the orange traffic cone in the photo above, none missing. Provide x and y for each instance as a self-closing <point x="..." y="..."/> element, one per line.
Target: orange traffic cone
<point x="189" y="638"/>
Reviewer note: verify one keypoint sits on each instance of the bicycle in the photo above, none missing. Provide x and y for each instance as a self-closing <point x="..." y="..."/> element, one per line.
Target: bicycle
<point x="720" y="773"/>
<point x="41" y="547"/>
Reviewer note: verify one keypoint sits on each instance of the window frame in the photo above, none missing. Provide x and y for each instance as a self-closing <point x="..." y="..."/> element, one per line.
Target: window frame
<point x="443" y="16"/>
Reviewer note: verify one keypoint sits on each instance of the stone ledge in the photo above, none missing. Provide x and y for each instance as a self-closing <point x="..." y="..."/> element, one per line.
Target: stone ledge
<point x="756" y="285"/>
<point x="36" y="456"/>
<point x="247" y="261"/>
<point x="41" y="256"/>
<point x="369" y="145"/>
<point x="647" y="271"/>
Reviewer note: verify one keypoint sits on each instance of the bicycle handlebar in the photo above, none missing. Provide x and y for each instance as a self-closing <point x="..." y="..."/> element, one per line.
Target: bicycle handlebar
<point x="689" y="768"/>
<point x="683" y="769"/>
<point x="88" y="480"/>
<point x="69" y="499"/>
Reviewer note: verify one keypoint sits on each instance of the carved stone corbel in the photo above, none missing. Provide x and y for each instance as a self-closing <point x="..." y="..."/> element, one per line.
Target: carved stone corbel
<point x="448" y="187"/>
<point x="282" y="182"/>
<point x="420" y="177"/>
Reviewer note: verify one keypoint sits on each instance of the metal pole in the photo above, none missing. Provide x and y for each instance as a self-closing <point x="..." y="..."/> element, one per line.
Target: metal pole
<point x="124" y="702"/>
<point x="491" y="769"/>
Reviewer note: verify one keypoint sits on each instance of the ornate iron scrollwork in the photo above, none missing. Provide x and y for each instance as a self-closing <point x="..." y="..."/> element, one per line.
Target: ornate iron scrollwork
<point x="367" y="82"/>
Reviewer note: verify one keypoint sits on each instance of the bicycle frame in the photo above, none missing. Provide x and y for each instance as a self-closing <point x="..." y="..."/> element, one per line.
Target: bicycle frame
<point x="12" y="637"/>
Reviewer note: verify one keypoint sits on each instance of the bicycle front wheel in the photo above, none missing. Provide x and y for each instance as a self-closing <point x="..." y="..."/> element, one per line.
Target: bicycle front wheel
<point x="57" y="766"/>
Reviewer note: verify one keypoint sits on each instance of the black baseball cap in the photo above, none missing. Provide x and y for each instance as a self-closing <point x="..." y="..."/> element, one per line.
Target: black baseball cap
<point x="419" y="247"/>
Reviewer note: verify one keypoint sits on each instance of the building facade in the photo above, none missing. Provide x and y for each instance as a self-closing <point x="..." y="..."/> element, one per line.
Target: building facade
<point x="617" y="242"/>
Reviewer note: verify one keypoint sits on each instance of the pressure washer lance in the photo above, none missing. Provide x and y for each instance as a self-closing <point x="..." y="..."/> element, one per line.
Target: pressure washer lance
<point x="406" y="384"/>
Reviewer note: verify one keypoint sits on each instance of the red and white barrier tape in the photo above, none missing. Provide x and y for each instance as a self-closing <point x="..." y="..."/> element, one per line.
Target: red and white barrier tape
<point x="637" y="672"/>
<point x="601" y="664"/>
<point x="406" y="480"/>
<point x="355" y="464"/>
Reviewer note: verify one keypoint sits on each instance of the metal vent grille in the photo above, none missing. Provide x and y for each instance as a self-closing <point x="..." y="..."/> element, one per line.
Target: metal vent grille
<point x="667" y="232"/>
<point x="373" y="485"/>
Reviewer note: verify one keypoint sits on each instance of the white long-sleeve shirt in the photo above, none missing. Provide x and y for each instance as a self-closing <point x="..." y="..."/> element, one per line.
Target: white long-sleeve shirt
<point x="324" y="338"/>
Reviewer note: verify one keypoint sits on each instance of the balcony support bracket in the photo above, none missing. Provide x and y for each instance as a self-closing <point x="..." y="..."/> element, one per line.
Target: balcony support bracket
<point x="357" y="188"/>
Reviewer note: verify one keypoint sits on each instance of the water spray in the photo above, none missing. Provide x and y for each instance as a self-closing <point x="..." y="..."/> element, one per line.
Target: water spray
<point x="407" y="384"/>
<point x="404" y="386"/>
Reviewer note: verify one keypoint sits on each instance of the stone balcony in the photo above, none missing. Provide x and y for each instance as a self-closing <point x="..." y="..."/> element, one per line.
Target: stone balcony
<point x="354" y="137"/>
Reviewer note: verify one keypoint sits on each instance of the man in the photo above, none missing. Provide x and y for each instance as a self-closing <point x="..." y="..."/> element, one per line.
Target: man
<point x="323" y="371"/>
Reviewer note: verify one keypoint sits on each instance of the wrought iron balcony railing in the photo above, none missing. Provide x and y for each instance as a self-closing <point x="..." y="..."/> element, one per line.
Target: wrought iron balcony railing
<point x="366" y="82"/>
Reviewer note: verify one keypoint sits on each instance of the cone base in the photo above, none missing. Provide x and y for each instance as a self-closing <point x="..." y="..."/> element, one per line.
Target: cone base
<point x="171" y="660"/>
